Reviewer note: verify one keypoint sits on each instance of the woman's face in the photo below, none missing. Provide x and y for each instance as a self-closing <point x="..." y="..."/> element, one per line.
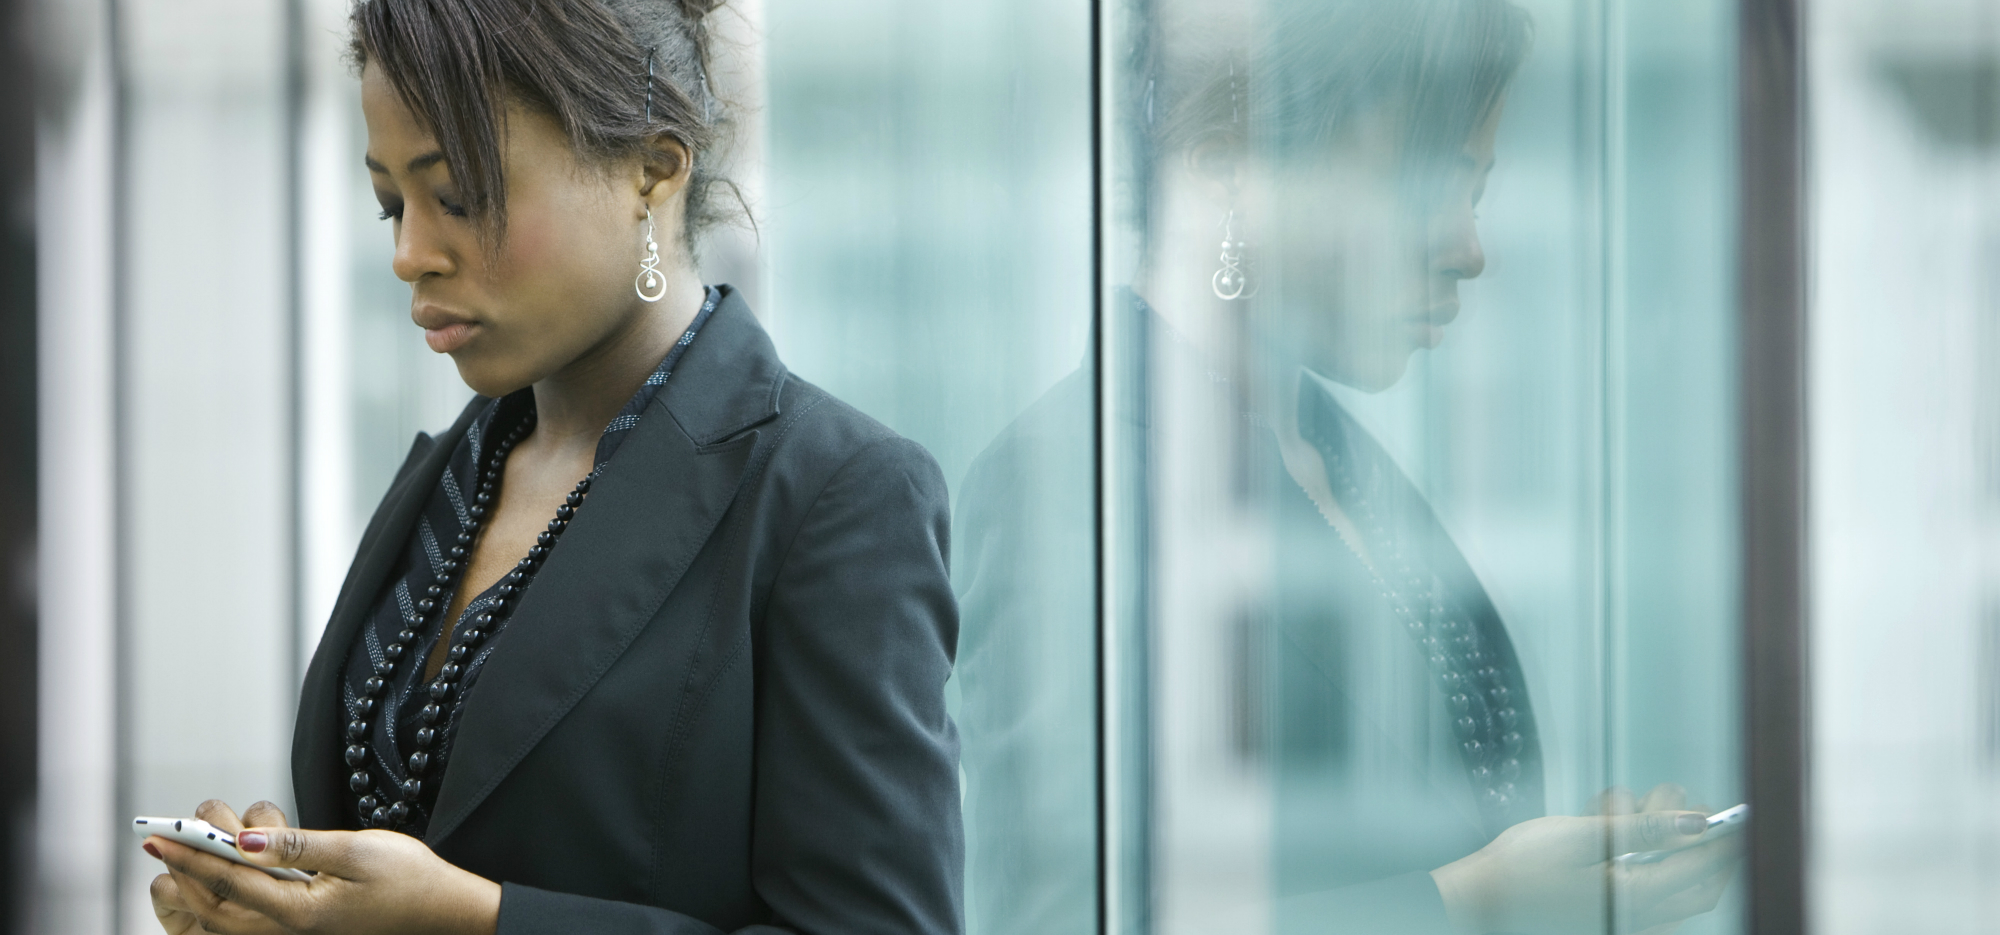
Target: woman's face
<point x="1362" y="272"/>
<point x="560" y="283"/>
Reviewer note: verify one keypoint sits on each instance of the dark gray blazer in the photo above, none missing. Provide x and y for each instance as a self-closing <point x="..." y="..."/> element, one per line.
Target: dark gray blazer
<point x="720" y="707"/>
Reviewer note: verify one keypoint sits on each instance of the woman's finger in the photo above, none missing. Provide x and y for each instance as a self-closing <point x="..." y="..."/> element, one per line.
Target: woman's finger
<point x="170" y="905"/>
<point x="1616" y="800"/>
<point x="1695" y="900"/>
<point x="1655" y="831"/>
<point x="228" y="896"/>
<point x="324" y="851"/>
<point x="218" y="813"/>
<point x="166" y="895"/>
<point x="169" y="908"/>
<point x="1665" y="797"/>
<point x="264" y="815"/>
<point x="195" y="895"/>
<point x="1649" y="884"/>
<point x="198" y="904"/>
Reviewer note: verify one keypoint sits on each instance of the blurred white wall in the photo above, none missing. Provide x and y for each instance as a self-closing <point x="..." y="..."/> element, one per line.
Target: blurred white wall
<point x="204" y="423"/>
<point x="167" y="420"/>
<point x="1906" y="498"/>
<point x="76" y="833"/>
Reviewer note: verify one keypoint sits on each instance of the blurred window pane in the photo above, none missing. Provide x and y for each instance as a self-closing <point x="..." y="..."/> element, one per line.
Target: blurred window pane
<point x="927" y="259"/>
<point x="1423" y="314"/>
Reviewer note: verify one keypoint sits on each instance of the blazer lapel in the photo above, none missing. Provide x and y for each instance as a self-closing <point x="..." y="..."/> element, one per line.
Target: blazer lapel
<point x="316" y="767"/>
<point x="646" y="519"/>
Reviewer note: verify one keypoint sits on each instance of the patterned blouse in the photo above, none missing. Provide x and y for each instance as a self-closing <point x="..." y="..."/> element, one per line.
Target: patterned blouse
<point x="444" y="517"/>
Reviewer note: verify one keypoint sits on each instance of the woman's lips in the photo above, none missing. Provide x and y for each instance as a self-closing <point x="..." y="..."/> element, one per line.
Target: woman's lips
<point x="448" y="338"/>
<point x="1427" y="329"/>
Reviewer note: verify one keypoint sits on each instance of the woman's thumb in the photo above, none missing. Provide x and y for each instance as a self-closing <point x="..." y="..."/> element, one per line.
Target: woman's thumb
<point x="1656" y="831"/>
<point x="294" y="847"/>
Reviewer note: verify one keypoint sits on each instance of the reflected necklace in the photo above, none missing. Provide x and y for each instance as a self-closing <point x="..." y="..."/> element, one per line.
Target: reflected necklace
<point x="1483" y="708"/>
<point x="377" y="808"/>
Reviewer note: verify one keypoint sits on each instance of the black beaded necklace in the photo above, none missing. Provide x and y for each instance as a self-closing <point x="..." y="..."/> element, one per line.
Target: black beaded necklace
<point x="376" y="806"/>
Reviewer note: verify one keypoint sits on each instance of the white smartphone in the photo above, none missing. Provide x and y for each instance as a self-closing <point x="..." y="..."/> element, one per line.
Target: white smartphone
<point x="203" y="836"/>
<point x="1725" y="822"/>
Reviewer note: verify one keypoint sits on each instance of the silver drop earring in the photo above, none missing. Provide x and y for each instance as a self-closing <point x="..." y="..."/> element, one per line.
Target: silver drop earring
<point x="1232" y="281"/>
<point x="650" y="283"/>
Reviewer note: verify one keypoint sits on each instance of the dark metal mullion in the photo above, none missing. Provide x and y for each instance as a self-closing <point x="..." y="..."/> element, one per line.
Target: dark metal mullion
<point x="295" y="100"/>
<point x="1599" y="78"/>
<point x="1099" y="332"/>
<point x="1773" y="405"/>
<point x="122" y="629"/>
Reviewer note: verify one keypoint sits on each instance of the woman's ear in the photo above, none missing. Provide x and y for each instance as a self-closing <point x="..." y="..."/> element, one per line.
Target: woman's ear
<point x="668" y="165"/>
<point x="1217" y="159"/>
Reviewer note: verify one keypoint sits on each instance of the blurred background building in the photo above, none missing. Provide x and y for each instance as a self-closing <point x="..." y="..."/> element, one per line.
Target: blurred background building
<point x="207" y="377"/>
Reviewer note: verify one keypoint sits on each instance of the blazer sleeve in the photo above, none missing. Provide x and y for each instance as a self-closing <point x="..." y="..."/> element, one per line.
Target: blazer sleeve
<point x="857" y="824"/>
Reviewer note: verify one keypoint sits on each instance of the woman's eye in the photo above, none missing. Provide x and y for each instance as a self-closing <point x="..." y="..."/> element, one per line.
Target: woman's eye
<point x="457" y="211"/>
<point x="391" y="213"/>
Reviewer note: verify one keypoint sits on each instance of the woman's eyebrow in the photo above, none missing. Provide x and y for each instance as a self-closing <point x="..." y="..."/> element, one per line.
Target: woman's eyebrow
<point x="418" y="164"/>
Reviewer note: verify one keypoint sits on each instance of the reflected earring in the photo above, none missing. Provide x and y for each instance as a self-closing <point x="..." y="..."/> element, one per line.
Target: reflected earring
<point x="1232" y="281"/>
<point x="650" y="284"/>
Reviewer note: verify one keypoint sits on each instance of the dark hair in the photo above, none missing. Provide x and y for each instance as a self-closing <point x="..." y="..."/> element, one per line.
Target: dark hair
<point x="1313" y="65"/>
<point x="457" y="63"/>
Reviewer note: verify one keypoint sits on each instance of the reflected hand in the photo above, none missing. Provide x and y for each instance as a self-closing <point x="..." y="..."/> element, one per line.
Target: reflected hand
<point x="1665" y="797"/>
<point x="176" y="896"/>
<point x="1552" y="875"/>
<point x="368" y="881"/>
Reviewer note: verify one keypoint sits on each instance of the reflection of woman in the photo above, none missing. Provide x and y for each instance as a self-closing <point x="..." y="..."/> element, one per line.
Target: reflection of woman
<point x="1336" y="157"/>
<point x="654" y="638"/>
<point x="1341" y="156"/>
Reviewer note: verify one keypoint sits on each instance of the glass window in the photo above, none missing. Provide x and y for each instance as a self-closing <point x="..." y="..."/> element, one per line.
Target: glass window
<point x="927" y="252"/>
<point x="1420" y="357"/>
<point x="1337" y="397"/>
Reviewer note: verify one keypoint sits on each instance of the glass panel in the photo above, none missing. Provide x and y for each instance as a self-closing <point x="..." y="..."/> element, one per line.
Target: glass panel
<point x="1672" y="705"/>
<point x="1420" y="371"/>
<point x="927" y="252"/>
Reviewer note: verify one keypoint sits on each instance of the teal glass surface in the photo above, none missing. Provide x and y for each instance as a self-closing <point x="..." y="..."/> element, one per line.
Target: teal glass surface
<point x="1419" y="413"/>
<point x="926" y="255"/>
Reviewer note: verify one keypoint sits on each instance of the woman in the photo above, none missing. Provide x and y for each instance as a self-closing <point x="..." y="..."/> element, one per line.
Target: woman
<point x="1336" y="151"/>
<point x="654" y="638"/>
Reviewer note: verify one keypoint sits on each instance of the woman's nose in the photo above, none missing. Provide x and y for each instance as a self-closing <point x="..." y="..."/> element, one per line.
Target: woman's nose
<point x="418" y="253"/>
<point x="1458" y="254"/>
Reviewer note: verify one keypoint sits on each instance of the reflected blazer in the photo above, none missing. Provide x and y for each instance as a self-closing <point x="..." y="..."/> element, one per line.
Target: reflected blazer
<point x="720" y="705"/>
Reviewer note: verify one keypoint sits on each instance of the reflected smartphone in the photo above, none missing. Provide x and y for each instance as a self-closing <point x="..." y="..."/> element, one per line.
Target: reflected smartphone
<point x="203" y="836"/>
<point x="1722" y="823"/>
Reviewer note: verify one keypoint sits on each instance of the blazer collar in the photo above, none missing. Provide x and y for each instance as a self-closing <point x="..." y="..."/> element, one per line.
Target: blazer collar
<point x="647" y="517"/>
<point x="730" y="378"/>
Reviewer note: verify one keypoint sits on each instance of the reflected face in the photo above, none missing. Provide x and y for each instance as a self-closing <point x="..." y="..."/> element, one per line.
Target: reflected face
<point x="1369" y="271"/>
<point x="559" y="284"/>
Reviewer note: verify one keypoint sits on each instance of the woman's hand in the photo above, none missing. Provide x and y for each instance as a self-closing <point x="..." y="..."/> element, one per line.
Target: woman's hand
<point x="368" y="882"/>
<point x="176" y="913"/>
<point x="1554" y="875"/>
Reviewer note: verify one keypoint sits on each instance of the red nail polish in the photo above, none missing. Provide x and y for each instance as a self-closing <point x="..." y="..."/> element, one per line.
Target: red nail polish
<point x="250" y="842"/>
<point x="150" y="849"/>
